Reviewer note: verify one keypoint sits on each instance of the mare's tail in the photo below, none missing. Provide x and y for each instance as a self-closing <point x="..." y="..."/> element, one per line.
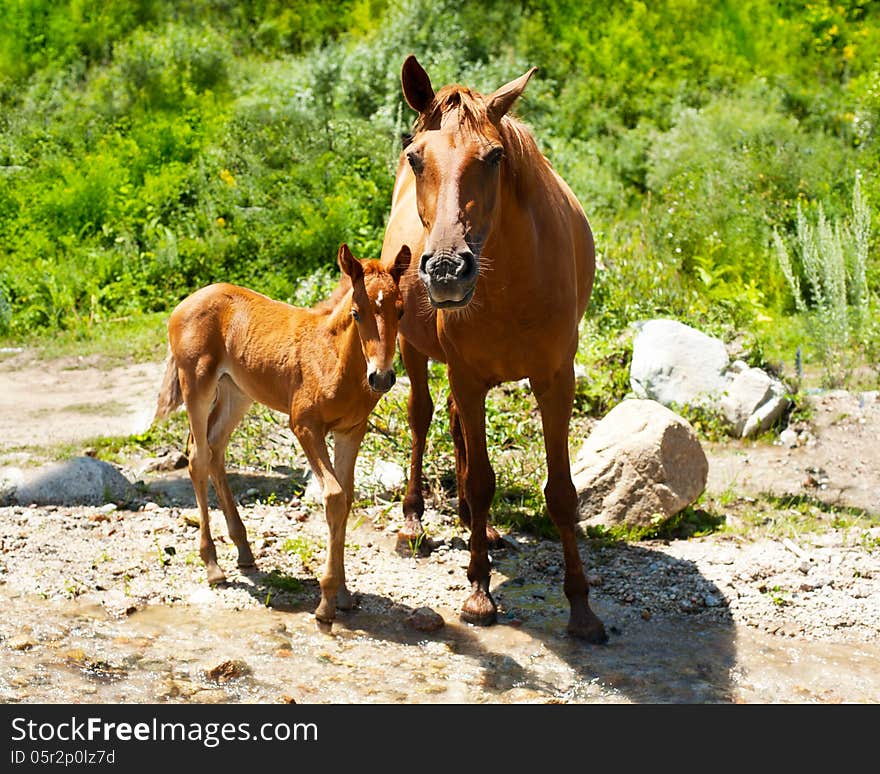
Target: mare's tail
<point x="170" y="396"/>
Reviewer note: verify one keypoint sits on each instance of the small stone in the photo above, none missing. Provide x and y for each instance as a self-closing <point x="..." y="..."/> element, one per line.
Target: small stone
<point x="20" y="642"/>
<point x="228" y="670"/>
<point x="646" y="614"/>
<point x="285" y="699"/>
<point x="424" y="619"/>
<point x="151" y="506"/>
<point x="594" y="579"/>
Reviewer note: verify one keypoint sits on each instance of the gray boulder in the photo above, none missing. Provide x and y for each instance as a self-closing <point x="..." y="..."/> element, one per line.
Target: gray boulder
<point x="641" y="464"/>
<point x="78" y="481"/>
<point x="679" y="366"/>
<point x="753" y="401"/>
<point x="675" y="364"/>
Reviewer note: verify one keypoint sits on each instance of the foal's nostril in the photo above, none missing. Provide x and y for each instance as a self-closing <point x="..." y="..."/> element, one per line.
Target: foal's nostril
<point x="381" y="381"/>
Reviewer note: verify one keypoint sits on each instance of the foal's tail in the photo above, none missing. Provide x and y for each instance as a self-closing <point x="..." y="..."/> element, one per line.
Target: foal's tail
<point x="170" y="396"/>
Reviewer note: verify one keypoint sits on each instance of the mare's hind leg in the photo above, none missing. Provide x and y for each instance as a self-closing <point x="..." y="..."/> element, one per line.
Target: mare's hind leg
<point x="419" y="411"/>
<point x="345" y="451"/>
<point x="555" y="397"/>
<point x="198" y="394"/>
<point x="231" y="405"/>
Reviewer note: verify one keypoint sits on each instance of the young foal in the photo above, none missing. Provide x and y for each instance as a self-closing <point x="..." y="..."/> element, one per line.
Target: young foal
<point x="326" y="367"/>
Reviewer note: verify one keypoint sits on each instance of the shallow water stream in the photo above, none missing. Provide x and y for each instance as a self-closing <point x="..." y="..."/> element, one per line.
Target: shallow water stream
<point x="73" y="652"/>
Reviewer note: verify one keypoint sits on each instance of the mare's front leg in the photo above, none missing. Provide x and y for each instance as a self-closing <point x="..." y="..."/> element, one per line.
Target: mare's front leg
<point x="555" y="397"/>
<point x="478" y="488"/>
<point x="420" y="408"/>
<point x="464" y="512"/>
<point x="312" y="440"/>
<point x="345" y="450"/>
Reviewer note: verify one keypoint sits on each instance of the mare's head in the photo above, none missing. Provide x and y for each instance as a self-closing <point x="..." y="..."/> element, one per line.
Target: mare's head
<point x="376" y="308"/>
<point x="457" y="154"/>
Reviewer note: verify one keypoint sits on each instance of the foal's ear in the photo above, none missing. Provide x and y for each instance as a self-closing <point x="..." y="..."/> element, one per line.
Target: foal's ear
<point x="416" y="85"/>
<point x="502" y="99"/>
<point x="349" y="264"/>
<point x="400" y="263"/>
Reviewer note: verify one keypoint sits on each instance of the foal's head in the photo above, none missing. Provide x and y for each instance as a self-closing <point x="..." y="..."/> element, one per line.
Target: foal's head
<point x="376" y="308"/>
<point x="457" y="154"/>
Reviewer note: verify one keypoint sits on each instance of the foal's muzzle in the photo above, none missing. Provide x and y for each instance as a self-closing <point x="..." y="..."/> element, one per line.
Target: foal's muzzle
<point x="450" y="278"/>
<point x="381" y="381"/>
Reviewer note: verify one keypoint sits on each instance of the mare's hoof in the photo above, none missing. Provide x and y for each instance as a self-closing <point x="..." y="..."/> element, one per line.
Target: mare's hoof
<point x="325" y="627"/>
<point x="246" y="561"/>
<point x="479" y="609"/>
<point x="494" y="539"/>
<point x="588" y="628"/>
<point x="216" y="576"/>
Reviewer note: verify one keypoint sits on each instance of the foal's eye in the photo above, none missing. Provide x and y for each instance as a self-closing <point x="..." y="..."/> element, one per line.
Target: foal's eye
<point x="494" y="156"/>
<point x="400" y="314"/>
<point x="354" y="313"/>
<point x="415" y="161"/>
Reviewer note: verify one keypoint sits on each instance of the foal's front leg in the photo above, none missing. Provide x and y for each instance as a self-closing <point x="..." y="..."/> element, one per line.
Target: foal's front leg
<point x="312" y="440"/>
<point x="345" y="451"/>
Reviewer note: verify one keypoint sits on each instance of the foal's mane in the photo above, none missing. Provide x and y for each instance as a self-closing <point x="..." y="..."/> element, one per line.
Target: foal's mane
<point x="469" y="110"/>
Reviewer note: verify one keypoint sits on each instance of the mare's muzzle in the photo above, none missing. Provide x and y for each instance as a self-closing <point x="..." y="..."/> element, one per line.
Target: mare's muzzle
<point x="450" y="278"/>
<point x="381" y="381"/>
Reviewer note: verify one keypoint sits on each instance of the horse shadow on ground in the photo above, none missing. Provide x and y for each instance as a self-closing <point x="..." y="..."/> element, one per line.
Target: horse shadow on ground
<point x="658" y="654"/>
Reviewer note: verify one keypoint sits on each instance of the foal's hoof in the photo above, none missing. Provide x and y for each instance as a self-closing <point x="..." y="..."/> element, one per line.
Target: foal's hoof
<point x="479" y="609"/>
<point x="588" y="627"/>
<point x="246" y="560"/>
<point x="215" y="576"/>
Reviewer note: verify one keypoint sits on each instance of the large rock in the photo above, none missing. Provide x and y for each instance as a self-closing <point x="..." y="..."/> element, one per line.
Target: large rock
<point x="753" y="401"/>
<point x="679" y="366"/>
<point x="675" y="364"/>
<point x="641" y="464"/>
<point x="78" y="481"/>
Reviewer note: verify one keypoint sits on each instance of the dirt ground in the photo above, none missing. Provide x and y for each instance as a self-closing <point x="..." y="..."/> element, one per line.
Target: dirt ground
<point x="112" y="604"/>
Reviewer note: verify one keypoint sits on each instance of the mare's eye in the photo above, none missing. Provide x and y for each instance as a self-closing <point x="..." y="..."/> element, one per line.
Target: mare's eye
<point x="415" y="161"/>
<point x="354" y="313"/>
<point x="494" y="156"/>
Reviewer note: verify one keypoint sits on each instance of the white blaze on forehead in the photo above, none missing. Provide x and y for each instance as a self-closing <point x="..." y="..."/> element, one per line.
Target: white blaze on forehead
<point x="379" y="299"/>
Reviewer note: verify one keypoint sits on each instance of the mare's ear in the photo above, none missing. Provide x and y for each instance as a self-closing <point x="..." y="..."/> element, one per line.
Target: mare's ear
<point x="400" y="264"/>
<point x="502" y="99"/>
<point x="349" y="264"/>
<point x="416" y="85"/>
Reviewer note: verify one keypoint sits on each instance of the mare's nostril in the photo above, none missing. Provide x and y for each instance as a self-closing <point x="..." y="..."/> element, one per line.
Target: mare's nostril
<point x="465" y="264"/>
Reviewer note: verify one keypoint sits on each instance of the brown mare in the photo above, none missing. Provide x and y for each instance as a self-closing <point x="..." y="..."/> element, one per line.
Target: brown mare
<point x="325" y="367"/>
<point x="504" y="276"/>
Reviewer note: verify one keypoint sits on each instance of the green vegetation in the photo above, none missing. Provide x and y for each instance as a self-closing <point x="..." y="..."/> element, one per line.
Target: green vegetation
<point x="150" y="147"/>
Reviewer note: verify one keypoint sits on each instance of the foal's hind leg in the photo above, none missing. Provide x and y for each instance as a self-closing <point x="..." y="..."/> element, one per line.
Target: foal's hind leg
<point x="555" y="397"/>
<point x="198" y="394"/>
<point x="419" y="411"/>
<point x="231" y="405"/>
